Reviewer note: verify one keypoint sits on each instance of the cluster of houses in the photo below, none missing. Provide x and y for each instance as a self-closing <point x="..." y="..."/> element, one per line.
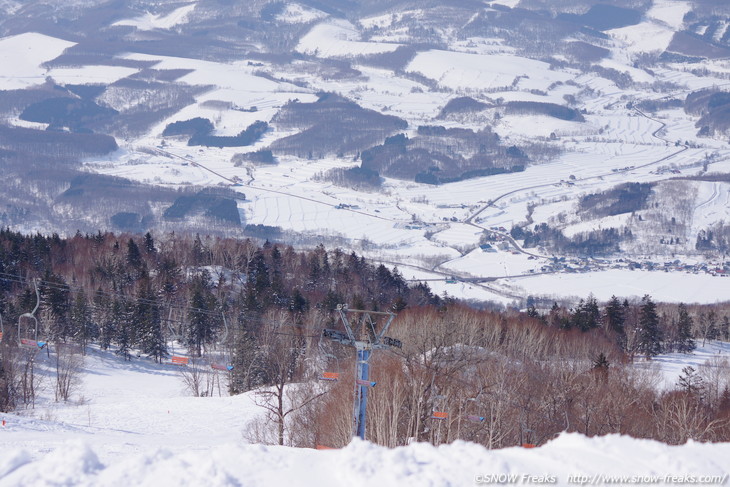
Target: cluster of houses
<point x="563" y="264"/>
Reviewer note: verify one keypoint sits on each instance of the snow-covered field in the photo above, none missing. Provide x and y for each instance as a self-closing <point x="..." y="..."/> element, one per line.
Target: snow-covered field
<point x="662" y="286"/>
<point x="21" y="57"/>
<point x="463" y="70"/>
<point x="132" y="423"/>
<point x="339" y="38"/>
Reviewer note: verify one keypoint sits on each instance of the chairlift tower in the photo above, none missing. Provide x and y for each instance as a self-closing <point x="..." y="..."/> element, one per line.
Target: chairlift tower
<point x="364" y="337"/>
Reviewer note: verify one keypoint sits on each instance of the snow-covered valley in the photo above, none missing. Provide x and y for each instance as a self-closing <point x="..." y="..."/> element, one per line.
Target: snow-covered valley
<point x="430" y="232"/>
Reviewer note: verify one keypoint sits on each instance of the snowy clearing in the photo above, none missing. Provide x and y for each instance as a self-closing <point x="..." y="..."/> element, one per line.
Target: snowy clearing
<point x="22" y="56"/>
<point x="670" y="365"/>
<point x="339" y="38"/>
<point x="457" y="70"/>
<point x="151" y="21"/>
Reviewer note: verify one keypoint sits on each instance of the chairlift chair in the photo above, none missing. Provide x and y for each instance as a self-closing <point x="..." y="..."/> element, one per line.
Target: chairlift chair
<point x="222" y="363"/>
<point x="440" y="399"/>
<point x="178" y="360"/>
<point x="474" y="418"/>
<point x="224" y="368"/>
<point x="24" y="338"/>
<point x="329" y="376"/>
<point x="174" y="335"/>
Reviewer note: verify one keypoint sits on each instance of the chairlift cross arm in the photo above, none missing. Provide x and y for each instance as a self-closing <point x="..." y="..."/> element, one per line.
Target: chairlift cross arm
<point x="342" y="310"/>
<point x="375" y="336"/>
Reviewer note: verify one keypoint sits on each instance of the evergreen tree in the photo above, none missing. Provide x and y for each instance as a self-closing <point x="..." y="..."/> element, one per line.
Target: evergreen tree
<point x="202" y="316"/>
<point x="614" y="320"/>
<point x="82" y="328"/>
<point x="586" y="315"/>
<point x="314" y="280"/>
<point x="169" y="275"/>
<point x="55" y="299"/>
<point x="123" y="315"/>
<point x="278" y="286"/>
<point x="149" y="244"/>
<point x="650" y="337"/>
<point x="243" y="360"/>
<point x="685" y="342"/>
<point x="149" y="323"/>
<point x="690" y="381"/>
<point x="258" y="284"/>
<point x="134" y="256"/>
<point x="201" y="254"/>
<point x="614" y="316"/>
<point x="298" y="303"/>
<point x="557" y="317"/>
<point x="103" y="317"/>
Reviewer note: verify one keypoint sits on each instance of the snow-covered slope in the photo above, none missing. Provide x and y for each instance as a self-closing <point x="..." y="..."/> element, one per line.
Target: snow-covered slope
<point x="21" y="57"/>
<point x="151" y="21"/>
<point x="124" y="406"/>
<point x="133" y="423"/>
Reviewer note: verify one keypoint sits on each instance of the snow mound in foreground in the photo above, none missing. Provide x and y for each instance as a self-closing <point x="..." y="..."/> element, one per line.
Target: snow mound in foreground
<point x="569" y="459"/>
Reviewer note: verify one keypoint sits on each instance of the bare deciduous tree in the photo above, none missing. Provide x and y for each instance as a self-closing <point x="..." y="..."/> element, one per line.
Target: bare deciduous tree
<point x="68" y="363"/>
<point x="285" y="346"/>
<point x="196" y="378"/>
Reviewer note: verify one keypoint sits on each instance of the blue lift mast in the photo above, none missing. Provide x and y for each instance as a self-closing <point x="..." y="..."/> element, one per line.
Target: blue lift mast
<point x="364" y="337"/>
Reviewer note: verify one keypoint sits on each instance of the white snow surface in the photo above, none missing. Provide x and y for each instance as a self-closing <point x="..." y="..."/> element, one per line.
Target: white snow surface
<point x="335" y="38"/>
<point x="464" y="70"/>
<point x="90" y="74"/>
<point x="362" y="464"/>
<point x="670" y="12"/>
<point x="670" y="365"/>
<point x="662" y="286"/>
<point x="150" y="21"/>
<point x="644" y="37"/>
<point x="21" y="57"/>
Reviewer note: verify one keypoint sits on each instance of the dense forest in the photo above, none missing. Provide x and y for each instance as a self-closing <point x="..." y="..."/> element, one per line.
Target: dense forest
<point x="257" y="311"/>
